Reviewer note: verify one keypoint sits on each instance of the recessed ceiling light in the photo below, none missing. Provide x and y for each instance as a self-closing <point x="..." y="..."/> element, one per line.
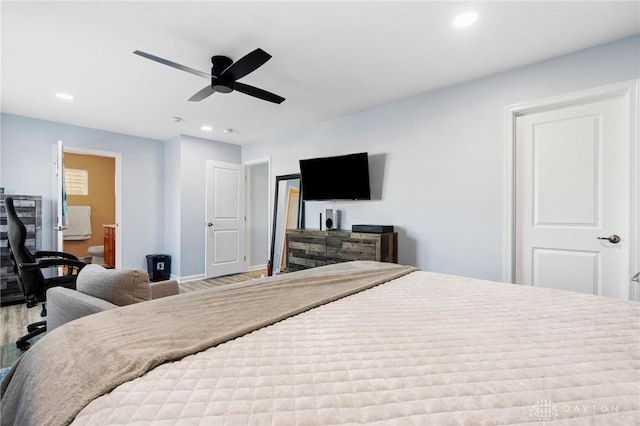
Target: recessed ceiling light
<point x="64" y="96"/>
<point x="465" y="19"/>
<point x="206" y="128"/>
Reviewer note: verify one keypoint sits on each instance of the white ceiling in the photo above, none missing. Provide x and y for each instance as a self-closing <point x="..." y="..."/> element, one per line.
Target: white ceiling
<point x="329" y="58"/>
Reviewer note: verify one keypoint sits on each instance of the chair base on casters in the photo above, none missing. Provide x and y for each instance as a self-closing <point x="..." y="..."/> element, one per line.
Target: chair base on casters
<point x="34" y="330"/>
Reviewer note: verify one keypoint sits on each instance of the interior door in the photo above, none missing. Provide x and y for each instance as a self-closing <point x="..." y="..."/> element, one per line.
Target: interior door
<point x="573" y="198"/>
<point x="225" y="219"/>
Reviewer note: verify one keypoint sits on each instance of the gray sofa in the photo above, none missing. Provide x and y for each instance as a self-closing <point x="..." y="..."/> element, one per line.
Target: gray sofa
<point x="99" y="289"/>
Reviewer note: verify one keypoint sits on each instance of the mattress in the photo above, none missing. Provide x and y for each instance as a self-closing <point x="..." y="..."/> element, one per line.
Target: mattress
<point x="425" y="348"/>
<point x="76" y="363"/>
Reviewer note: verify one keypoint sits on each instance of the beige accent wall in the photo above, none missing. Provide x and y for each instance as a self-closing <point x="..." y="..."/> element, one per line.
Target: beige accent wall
<point x="101" y="198"/>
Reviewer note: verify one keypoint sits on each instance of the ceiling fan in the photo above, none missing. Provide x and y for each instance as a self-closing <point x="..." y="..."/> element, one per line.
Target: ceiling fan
<point x="224" y="75"/>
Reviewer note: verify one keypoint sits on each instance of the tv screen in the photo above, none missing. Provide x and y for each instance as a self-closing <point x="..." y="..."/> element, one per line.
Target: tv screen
<point x="345" y="177"/>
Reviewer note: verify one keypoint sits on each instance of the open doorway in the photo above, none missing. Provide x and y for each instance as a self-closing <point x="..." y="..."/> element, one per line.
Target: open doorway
<point x="90" y="182"/>
<point x="258" y="211"/>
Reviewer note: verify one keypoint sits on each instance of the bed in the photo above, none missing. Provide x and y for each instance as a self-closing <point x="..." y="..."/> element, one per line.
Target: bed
<point x="361" y="342"/>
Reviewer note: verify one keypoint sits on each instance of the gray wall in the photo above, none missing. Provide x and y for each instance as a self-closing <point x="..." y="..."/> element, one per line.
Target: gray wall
<point x="172" y="206"/>
<point x="193" y="155"/>
<point x="437" y="163"/>
<point x="163" y="184"/>
<point x="26" y="167"/>
<point x="436" y="166"/>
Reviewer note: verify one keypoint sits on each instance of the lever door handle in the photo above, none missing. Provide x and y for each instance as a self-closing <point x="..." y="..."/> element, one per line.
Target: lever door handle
<point x="636" y="278"/>
<point x="613" y="239"/>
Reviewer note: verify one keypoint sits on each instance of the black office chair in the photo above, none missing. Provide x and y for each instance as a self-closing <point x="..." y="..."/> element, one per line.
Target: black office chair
<point x="28" y="267"/>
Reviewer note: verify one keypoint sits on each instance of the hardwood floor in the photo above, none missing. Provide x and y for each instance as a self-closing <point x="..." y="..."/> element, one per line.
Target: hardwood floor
<point x="15" y="318"/>
<point x="214" y="282"/>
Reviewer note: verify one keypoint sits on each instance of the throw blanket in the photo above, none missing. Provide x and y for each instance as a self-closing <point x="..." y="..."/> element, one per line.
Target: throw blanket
<point x="84" y="359"/>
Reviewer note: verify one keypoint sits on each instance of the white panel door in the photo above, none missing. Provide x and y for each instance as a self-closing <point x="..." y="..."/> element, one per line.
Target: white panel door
<point x="225" y="219"/>
<point x="572" y="190"/>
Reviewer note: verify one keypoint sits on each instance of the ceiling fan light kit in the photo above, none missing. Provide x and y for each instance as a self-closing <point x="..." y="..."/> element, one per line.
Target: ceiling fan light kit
<point x="225" y="75"/>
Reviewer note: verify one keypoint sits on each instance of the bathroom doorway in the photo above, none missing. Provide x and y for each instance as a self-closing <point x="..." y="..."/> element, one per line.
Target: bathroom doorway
<point x="92" y="206"/>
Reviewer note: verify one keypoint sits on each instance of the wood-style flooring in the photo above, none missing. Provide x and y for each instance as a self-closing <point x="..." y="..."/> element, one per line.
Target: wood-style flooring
<point x="15" y="318"/>
<point x="214" y="282"/>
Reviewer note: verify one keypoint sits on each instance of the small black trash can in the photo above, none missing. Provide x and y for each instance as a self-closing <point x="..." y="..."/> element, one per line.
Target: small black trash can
<point x="159" y="267"/>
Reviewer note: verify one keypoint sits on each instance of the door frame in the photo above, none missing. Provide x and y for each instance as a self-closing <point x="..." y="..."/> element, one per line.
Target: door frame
<point x="627" y="90"/>
<point x="117" y="156"/>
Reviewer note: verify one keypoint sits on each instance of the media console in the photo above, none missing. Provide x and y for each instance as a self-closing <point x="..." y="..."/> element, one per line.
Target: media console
<point x="308" y="248"/>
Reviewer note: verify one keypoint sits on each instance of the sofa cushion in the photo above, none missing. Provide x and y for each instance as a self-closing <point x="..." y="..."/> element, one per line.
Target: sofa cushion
<point x="118" y="286"/>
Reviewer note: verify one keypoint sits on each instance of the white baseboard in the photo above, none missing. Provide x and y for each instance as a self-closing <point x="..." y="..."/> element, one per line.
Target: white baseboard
<point x="187" y="278"/>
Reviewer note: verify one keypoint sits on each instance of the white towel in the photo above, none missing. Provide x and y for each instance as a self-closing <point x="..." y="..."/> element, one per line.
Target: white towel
<point x="79" y="226"/>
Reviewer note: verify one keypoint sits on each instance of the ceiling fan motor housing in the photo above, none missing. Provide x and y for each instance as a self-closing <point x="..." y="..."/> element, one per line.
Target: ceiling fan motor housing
<point x="221" y="84"/>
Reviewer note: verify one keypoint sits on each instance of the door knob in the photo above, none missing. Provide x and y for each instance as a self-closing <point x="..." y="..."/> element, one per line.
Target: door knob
<point x="613" y="239"/>
<point x="209" y="224"/>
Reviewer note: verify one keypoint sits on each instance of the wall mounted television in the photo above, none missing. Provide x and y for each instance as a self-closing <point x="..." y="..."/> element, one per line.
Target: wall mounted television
<point x="344" y="177"/>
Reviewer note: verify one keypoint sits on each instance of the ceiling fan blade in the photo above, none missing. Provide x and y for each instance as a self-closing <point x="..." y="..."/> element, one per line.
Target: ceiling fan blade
<point x="172" y="64"/>
<point x="247" y="64"/>
<point x="205" y="92"/>
<point x="257" y="93"/>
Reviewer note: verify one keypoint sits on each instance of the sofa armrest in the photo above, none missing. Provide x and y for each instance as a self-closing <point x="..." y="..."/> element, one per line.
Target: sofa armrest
<point x="64" y="305"/>
<point x="164" y="288"/>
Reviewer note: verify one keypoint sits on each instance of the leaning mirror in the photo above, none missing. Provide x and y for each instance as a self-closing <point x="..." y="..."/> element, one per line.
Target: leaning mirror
<point x="287" y="214"/>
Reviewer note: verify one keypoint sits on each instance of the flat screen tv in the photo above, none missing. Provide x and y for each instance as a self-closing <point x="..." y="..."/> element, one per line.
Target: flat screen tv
<point x="344" y="177"/>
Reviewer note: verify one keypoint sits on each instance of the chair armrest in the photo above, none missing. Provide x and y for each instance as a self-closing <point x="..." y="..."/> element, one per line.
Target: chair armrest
<point x="41" y="254"/>
<point x="52" y="262"/>
<point x="164" y="288"/>
<point x="64" y="305"/>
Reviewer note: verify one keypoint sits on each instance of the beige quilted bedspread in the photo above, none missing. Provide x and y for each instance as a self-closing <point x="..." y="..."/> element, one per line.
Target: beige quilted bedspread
<point x="86" y="358"/>
<point x="424" y="349"/>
